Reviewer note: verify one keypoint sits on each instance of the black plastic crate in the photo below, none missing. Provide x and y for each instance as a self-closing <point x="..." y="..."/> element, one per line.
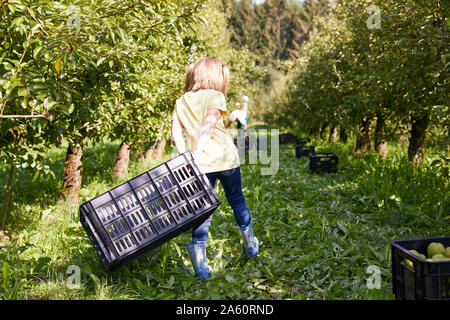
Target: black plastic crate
<point x="285" y="138"/>
<point x="148" y="210"/>
<point x="302" y="141"/>
<point x="303" y="151"/>
<point x="323" y="162"/>
<point x="426" y="280"/>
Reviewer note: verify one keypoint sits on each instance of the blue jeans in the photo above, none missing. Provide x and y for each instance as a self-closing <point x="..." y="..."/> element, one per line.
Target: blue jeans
<point x="231" y="183"/>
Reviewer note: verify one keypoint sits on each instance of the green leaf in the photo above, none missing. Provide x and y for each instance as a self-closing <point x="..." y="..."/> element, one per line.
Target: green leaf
<point x="36" y="52"/>
<point x="16" y="21"/>
<point x="49" y="104"/>
<point x="71" y="108"/>
<point x="12" y="7"/>
<point x="229" y="278"/>
<point x="7" y="66"/>
<point x="6" y="271"/>
<point x="22" y="92"/>
<point x="99" y="61"/>
<point x="36" y="175"/>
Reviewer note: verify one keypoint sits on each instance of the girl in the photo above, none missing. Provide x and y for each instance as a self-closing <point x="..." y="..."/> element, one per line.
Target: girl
<point x="199" y="111"/>
<point x="240" y="115"/>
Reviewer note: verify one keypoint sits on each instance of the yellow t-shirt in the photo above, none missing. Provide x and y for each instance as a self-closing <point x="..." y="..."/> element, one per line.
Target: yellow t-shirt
<point x="219" y="153"/>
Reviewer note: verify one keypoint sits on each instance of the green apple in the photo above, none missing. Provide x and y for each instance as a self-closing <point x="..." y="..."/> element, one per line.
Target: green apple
<point x="417" y="253"/>
<point x="408" y="263"/>
<point x="435" y="248"/>
<point x="447" y="252"/>
<point x="439" y="257"/>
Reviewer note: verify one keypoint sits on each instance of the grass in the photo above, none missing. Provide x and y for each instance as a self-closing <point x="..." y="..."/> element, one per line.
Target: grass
<point x="318" y="233"/>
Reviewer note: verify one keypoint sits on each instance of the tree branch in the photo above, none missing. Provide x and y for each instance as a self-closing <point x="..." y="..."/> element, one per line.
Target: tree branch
<point x="24" y="116"/>
<point x="37" y="21"/>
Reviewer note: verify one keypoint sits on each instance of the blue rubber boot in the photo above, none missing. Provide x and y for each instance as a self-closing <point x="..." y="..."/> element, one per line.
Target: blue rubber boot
<point x="197" y="253"/>
<point x="251" y="243"/>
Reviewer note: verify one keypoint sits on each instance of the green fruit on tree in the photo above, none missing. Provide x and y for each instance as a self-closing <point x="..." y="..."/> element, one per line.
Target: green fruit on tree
<point x="435" y="248"/>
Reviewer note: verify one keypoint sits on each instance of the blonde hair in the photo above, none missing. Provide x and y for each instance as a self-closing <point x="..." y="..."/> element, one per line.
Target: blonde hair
<point x="207" y="73"/>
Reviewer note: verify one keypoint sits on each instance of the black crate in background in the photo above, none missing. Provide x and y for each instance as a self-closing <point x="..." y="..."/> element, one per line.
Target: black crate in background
<point x="303" y="151"/>
<point x="427" y="280"/>
<point x="302" y="141"/>
<point x="285" y="138"/>
<point x="323" y="162"/>
<point x="148" y="210"/>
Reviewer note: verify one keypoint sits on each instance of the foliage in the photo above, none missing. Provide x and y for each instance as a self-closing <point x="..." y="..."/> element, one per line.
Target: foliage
<point x="271" y="33"/>
<point x="14" y="279"/>
<point x="273" y="29"/>
<point x="214" y="39"/>
<point x="350" y="72"/>
<point x="89" y="66"/>
<point x="318" y="233"/>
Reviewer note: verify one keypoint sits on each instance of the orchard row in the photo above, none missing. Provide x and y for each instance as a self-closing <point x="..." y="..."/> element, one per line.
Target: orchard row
<point x="377" y="69"/>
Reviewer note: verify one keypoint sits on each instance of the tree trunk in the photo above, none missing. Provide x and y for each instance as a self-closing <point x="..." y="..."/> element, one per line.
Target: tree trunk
<point x="8" y="195"/>
<point x="380" y="138"/>
<point x="417" y="139"/>
<point x="333" y="134"/>
<point x="122" y="160"/>
<point x="315" y="132"/>
<point x="156" y="150"/>
<point x="362" y="137"/>
<point x="72" y="174"/>
<point x="323" y="131"/>
<point x="343" y="135"/>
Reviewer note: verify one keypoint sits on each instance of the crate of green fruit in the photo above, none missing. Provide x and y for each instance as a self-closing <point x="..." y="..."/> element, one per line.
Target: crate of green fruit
<point x="421" y="269"/>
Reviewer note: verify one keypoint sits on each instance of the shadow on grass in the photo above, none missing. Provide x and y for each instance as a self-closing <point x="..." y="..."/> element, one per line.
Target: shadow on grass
<point x="98" y="162"/>
<point x="29" y="198"/>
